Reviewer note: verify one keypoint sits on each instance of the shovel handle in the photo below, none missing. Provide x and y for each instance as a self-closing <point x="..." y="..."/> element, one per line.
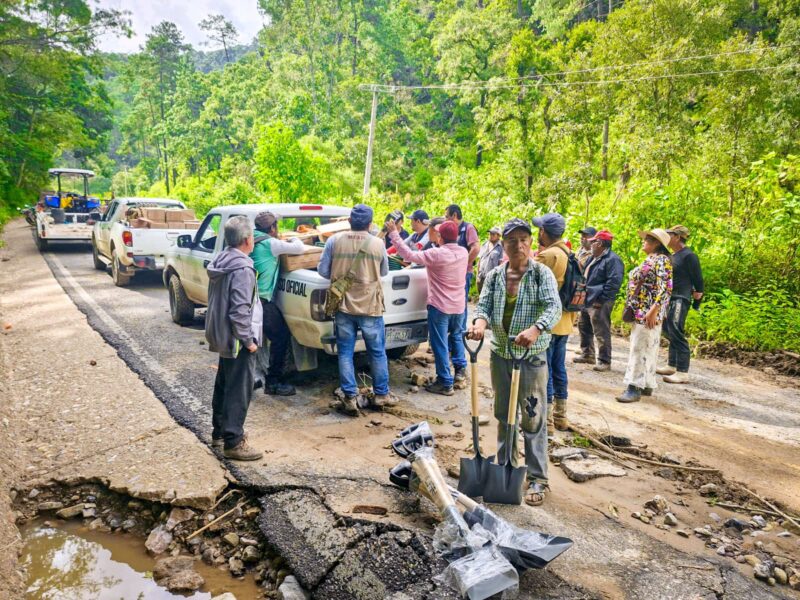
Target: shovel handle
<point x="425" y="471"/>
<point x="513" y="396"/>
<point x="516" y="357"/>
<point x="474" y="389"/>
<point x="473" y="352"/>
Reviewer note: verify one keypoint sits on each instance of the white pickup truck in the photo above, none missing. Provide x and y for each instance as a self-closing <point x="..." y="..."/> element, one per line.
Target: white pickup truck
<point x="128" y="249"/>
<point x="300" y="294"/>
<point x="65" y="216"/>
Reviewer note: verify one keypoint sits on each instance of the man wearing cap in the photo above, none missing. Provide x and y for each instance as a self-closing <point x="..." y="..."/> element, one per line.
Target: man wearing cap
<point x="520" y="300"/>
<point x="584" y="253"/>
<point x="396" y="217"/>
<point x="603" y="273"/>
<point x="687" y="287"/>
<point x="268" y="248"/>
<point x="490" y="256"/>
<point x="447" y="268"/>
<point x="419" y="226"/>
<point x="555" y="256"/>
<point x="362" y="306"/>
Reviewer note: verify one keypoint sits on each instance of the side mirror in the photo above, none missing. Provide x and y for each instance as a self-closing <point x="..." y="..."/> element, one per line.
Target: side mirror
<point x="185" y="241"/>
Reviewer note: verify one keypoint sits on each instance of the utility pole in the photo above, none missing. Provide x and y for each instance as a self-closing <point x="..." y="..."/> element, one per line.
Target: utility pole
<point x="370" y="143"/>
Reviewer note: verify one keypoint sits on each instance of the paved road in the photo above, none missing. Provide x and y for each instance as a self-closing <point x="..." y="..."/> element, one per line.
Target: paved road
<point x="319" y="465"/>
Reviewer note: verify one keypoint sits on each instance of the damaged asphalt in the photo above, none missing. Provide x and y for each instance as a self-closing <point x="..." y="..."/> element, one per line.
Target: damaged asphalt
<point x="333" y="554"/>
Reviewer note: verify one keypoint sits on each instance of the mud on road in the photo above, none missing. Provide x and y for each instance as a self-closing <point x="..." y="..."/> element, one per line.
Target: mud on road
<point x="319" y="465"/>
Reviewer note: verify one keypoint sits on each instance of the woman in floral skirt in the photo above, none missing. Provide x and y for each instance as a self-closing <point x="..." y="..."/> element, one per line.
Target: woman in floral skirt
<point x="649" y="290"/>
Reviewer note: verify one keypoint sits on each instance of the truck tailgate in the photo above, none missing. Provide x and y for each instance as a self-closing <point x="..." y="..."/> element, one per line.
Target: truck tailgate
<point x="154" y="242"/>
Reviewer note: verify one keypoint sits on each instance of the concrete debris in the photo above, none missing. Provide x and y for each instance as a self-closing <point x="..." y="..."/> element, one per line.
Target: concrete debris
<point x="580" y="470"/>
<point x="709" y="489"/>
<point x="290" y="590"/>
<point x="178" y="516"/>
<point x="158" y="541"/>
<point x="559" y="454"/>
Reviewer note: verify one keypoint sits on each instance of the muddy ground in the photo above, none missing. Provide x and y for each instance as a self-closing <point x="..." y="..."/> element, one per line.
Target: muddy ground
<point x="320" y="465"/>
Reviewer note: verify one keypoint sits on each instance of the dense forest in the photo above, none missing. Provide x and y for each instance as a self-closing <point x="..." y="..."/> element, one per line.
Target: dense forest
<point x="619" y="114"/>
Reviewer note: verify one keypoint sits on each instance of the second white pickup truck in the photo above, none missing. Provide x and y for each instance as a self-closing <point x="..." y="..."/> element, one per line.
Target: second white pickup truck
<point x="300" y="294"/>
<point x="128" y="248"/>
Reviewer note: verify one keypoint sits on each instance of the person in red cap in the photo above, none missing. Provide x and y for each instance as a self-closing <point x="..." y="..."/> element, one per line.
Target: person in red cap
<point x="447" y="270"/>
<point x="604" y="272"/>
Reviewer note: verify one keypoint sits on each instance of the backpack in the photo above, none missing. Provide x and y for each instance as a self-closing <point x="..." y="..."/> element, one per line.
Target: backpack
<point x="573" y="290"/>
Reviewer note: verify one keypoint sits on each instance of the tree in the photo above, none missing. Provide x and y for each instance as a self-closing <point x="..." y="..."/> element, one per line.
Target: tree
<point x="221" y="31"/>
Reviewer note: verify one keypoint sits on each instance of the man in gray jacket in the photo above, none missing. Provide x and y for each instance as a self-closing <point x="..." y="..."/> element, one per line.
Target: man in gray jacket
<point x="234" y="330"/>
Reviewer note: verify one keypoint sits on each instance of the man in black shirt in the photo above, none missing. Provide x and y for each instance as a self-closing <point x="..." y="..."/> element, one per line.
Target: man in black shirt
<point x="687" y="287"/>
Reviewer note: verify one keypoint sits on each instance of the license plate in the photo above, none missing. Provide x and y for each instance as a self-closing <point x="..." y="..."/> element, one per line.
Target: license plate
<point x="398" y="334"/>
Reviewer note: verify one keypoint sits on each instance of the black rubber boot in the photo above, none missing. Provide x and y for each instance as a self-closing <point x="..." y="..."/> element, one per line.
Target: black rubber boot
<point x="632" y="394"/>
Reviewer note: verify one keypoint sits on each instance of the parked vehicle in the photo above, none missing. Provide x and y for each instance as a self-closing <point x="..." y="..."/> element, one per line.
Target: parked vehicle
<point x="129" y="242"/>
<point x="301" y="293"/>
<point x="66" y="216"/>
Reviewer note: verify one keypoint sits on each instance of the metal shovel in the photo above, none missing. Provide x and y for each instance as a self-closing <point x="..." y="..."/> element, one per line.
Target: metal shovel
<point x="472" y="474"/>
<point x="504" y="482"/>
<point x="412" y="438"/>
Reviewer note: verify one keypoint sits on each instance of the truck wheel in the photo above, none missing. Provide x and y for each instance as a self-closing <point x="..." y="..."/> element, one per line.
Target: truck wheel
<point x="98" y="264"/>
<point x="397" y="353"/>
<point x="120" y="279"/>
<point x="41" y="244"/>
<point x="180" y="307"/>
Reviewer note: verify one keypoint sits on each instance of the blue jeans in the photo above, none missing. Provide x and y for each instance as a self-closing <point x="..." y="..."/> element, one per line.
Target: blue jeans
<point x="374" y="333"/>
<point x="445" y="335"/>
<point x="557" y="368"/>
<point x="466" y="305"/>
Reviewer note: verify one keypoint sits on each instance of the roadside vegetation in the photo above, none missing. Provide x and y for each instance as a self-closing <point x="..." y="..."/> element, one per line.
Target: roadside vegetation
<point x="622" y="115"/>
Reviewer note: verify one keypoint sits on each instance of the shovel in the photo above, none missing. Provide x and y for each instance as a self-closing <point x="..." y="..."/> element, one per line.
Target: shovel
<point x="523" y="548"/>
<point x="503" y="484"/>
<point x="412" y="438"/>
<point x="472" y="474"/>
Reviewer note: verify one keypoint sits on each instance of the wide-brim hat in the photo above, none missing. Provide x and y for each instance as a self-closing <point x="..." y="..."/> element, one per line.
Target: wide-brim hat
<point x="659" y="234"/>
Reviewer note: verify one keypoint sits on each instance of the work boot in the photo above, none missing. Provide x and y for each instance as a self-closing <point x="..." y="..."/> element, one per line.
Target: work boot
<point x="349" y="406"/>
<point x="551" y="428"/>
<point x="280" y="389"/>
<point x="384" y="400"/>
<point x="437" y="387"/>
<point x="218" y="444"/>
<point x="601" y="367"/>
<point x="560" y="414"/>
<point x="583" y="360"/>
<point x="668" y="370"/>
<point x="460" y="374"/>
<point x="678" y="377"/>
<point x="632" y="394"/>
<point x="243" y="451"/>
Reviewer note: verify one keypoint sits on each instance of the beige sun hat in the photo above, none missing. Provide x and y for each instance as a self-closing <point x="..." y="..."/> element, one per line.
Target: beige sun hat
<point x="660" y="234"/>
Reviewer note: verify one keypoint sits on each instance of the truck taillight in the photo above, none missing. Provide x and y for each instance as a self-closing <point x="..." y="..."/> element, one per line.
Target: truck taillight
<point x="127" y="238"/>
<point x="318" y="298"/>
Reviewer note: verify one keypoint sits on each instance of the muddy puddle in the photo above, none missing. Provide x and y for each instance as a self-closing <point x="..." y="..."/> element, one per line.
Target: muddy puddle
<point x="69" y="561"/>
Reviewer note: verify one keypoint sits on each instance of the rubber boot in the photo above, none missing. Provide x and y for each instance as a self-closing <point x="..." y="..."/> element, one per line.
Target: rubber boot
<point x="631" y="394"/>
<point x="560" y="414"/>
<point x="551" y="428"/>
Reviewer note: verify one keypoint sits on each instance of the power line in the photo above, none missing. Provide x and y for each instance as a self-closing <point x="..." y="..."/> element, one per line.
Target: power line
<point x="497" y="83"/>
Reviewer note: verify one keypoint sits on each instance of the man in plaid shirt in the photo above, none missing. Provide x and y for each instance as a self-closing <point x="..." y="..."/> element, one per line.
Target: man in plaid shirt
<point x="520" y="299"/>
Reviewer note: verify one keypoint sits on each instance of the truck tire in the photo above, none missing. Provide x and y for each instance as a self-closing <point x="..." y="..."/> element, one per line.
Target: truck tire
<point x="120" y="279"/>
<point x="41" y="243"/>
<point x="98" y="264"/>
<point x="397" y="353"/>
<point x="180" y="307"/>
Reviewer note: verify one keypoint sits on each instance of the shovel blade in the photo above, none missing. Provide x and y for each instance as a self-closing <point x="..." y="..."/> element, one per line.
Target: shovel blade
<point x="472" y="475"/>
<point x="504" y="484"/>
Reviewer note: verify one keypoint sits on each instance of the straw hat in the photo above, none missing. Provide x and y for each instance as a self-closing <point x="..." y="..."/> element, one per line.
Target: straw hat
<point x="659" y="234"/>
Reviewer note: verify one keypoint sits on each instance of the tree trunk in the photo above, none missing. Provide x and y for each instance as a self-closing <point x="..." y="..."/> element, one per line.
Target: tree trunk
<point x="604" y="173"/>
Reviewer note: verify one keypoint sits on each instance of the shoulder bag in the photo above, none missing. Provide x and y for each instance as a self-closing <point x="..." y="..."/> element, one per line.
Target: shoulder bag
<point x="333" y="300"/>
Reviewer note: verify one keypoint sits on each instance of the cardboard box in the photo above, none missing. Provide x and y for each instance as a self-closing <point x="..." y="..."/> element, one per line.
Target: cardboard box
<point x="140" y="223"/>
<point x="179" y="215"/>
<point x="191" y="224"/>
<point x="308" y="260"/>
<point x="156" y="215"/>
<point x="161" y="225"/>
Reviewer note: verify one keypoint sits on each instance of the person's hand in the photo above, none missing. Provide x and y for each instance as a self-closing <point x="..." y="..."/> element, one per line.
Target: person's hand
<point x="651" y="318"/>
<point x="697" y="295"/>
<point x="476" y="330"/>
<point x="391" y="226"/>
<point x="528" y="337"/>
<point x="251" y="347"/>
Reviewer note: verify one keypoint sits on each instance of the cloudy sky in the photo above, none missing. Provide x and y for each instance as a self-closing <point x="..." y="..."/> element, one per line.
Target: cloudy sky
<point x="186" y="14"/>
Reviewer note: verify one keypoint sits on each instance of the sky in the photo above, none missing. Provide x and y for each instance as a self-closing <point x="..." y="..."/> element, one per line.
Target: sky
<point x="186" y="14"/>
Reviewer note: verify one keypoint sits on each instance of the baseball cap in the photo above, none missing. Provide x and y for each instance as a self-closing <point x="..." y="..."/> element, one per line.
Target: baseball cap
<point x="679" y="230"/>
<point x="514" y="224"/>
<point x="552" y="223"/>
<point x="361" y="215"/>
<point x="421" y="215"/>
<point x="496" y="230"/>
<point x="590" y="231"/>
<point x="448" y="230"/>
<point x="603" y="234"/>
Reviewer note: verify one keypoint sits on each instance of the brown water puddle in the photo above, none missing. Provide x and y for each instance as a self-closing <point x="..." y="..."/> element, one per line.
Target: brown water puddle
<point x="75" y="563"/>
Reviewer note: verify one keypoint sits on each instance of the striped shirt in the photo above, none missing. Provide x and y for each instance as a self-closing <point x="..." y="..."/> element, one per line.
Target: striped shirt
<point x="537" y="304"/>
